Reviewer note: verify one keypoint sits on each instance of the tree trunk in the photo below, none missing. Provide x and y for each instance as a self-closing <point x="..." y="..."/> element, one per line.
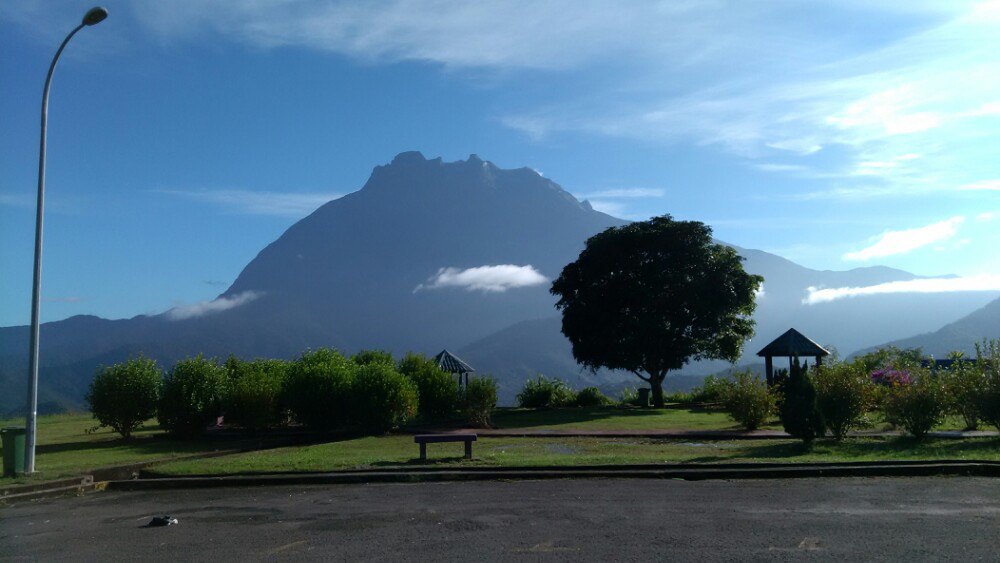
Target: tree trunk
<point x="656" y="384"/>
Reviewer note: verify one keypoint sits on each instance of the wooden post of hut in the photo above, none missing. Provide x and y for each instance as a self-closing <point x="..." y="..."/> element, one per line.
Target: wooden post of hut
<point x="792" y="344"/>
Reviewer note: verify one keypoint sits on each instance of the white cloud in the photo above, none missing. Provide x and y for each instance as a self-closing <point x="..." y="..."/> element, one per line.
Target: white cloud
<point x="986" y="216"/>
<point x="209" y="307"/>
<point x="497" y="278"/>
<point x="985" y="282"/>
<point x="891" y="243"/>
<point x="627" y="193"/>
<point x="249" y="202"/>
<point x="984" y="185"/>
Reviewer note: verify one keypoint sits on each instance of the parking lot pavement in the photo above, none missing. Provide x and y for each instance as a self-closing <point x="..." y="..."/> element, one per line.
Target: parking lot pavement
<point x="620" y="519"/>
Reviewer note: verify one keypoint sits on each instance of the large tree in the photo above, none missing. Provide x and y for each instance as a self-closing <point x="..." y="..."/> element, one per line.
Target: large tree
<point x="652" y="295"/>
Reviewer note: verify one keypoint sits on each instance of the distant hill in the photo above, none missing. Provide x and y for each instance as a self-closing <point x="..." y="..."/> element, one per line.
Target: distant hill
<point x="416" y="260"/>
<point x="961" y="335"/>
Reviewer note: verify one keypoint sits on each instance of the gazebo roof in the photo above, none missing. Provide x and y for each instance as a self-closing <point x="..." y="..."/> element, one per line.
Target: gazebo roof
<point x="793" y="344"/>
<point x="451" y="363"/>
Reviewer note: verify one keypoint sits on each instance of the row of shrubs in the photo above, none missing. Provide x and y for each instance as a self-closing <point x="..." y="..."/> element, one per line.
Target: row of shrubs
<point x="322" y="389"/>
<point x="888" y="385"/>
<point x="544" y="393"/>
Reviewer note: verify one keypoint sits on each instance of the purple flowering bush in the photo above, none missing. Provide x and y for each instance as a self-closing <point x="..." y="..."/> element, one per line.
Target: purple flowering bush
<point x="891" y="376"/>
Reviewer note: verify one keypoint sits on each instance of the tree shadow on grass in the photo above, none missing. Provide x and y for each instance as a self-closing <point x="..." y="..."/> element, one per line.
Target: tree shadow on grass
<point x="864" y="449"/>
<point x="526" y="418"/>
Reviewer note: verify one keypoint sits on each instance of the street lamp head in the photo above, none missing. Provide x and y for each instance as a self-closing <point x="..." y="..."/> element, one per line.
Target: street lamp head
<point x="95" y="16"/>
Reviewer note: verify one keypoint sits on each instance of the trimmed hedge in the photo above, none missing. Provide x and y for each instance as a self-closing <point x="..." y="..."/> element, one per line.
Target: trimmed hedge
<point x="382" y="398"/>
<point x="438" y="390"/>
<point x="318" y="389"/>
<point x="192" y="396"/>
<point x="254" y="393"/>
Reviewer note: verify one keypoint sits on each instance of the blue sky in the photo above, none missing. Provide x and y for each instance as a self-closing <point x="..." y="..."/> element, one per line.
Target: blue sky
<point x="186" y="135"/>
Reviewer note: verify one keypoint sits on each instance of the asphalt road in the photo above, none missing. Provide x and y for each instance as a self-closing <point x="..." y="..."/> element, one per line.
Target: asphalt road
<point x="874" y="518"/>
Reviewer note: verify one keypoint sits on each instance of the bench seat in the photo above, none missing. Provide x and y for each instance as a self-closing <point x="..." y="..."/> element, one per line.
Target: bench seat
<point x="424" y="439"/>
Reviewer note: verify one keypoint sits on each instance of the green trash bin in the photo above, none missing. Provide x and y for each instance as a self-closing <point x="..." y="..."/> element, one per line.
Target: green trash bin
<point x="13" y="451"/>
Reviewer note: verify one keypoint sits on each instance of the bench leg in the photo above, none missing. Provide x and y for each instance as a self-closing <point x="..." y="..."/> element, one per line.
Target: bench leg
<point x="468" y="449"/>
<point x="423" y="452"/>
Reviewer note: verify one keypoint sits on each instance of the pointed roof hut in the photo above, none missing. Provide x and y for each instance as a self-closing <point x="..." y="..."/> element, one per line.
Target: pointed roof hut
<point x="453" y="364"/>
<point x="792" y="344"/>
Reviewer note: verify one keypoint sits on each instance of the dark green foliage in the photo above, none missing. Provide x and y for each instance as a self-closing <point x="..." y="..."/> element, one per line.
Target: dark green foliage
<point x="318" y="389"/>
<point x="651" y="295"/>
<point x="124" y="396"/>
<point x="592" y="397"/>
<point x="967" y="384"/>
<point x="366" y="357"/>
<point x="479" y="401"/>
<point x="382" y="398"/>
<point x="544" y="393"/>
<point x="192" y="396"/>
<point x="748" y="401"/>
<point x="438" y="389"/>
<point x="253" y="393"/>
<point x="889" y="356"/>
<point x="988" y="362"/>
<point x="917" y="407"/>
<point x="844" y="392"/>
<point x="800" y="414"/>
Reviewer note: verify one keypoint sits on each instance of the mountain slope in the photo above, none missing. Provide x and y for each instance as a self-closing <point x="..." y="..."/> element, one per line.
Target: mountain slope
<point x="960" y="335"/>
<point x="360" y="272"/>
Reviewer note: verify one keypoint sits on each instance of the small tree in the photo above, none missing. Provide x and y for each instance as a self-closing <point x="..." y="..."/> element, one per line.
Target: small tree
<point x="124" y="396"/>
<point x="438" y="389"/>
<point x="988" y="362"/>
<point x="382" y="398"/>
<point x="800" y="414"/>
<point x="253" y="393"/>
<point x="844" y="392"/>
<point x="479" y="400"/>
<point x="318" y="389"/>
<point x="748" y="401"/>
<point x="652" y="295"/>
<point x="192" y="396"/>
<point x="544" y="393"/>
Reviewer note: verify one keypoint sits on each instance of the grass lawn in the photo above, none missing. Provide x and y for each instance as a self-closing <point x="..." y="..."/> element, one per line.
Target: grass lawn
<point x="610" y="418"/>
<point x="674" y="417"/>
<point x="65" y="448"/>
<point x="400" y="451"/>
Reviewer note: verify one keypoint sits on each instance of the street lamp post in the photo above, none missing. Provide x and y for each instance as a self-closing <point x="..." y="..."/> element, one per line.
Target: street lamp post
<point x="92" y="17"/>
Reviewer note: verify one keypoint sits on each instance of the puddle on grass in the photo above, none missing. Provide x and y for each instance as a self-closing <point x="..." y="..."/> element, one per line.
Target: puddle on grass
<point x="699" y="445"/>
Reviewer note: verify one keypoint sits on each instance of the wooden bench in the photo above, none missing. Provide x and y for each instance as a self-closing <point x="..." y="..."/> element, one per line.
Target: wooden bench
<point x="424" y="439"/>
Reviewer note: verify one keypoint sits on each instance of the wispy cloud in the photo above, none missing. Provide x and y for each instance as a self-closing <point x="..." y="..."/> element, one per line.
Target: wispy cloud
<point x="626" y="193"/>
<point x="891" y="243"/>
<point x="249" y="202"/>
<point x="497" y="278"/>
<point x="985" y="185"/>
<point x="210" y="307"/>
<point x="986" y="216"/>
<point x="985" y="282"/>
<point x="68" y="299"/>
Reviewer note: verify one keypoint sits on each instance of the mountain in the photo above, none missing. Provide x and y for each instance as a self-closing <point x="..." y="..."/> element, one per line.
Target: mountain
<point x="430" y="255"/>
<point x="960" y="335"/>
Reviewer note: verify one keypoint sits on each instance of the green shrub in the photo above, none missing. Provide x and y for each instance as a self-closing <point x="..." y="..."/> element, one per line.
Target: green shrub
<point x="966" y="384"/>
<point x="192" y="396"/>
<point x="318" y="389"/>
<point x="629" y="396"/>
<point x="988" y="363"/>
<point x="592" y="397"/>
<point x="844" y="393"/>
<point x="365" y="357"/>
<point x="479" y="400"/>
<point x="917" y="407"/>
<point x="438" y="389"/>
<point x="679" y="397"/>
<point x="799" y="410"/>
<point x="543" y="393"/>
<point x="382" y="398"/>
<point x="253" y="397"/>
<point x="124" y="396"/>
<point x="747" y="400"/>
<point x="710" y="390"/>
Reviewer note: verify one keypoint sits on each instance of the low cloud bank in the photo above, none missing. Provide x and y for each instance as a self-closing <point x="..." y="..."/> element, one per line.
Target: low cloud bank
<point x="497" y="278"/>
<point x="210" y="307"/>
<point x="985" y="282"/>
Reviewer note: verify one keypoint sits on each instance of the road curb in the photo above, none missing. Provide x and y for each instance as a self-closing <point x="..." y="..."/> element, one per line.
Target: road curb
<point x="690" y="473"/>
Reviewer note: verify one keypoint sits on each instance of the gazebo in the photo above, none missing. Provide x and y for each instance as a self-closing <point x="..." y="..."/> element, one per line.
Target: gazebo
<point x="793" y="344"/>
<point x="453" y="364"/>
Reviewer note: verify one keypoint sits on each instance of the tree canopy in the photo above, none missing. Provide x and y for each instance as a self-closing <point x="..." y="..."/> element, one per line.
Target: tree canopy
<point x="650" y="296"/>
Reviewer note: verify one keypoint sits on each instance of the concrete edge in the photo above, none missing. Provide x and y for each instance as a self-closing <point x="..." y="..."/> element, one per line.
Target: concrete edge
<point x="53" y="492"/>
<point x="690" y="473"/>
